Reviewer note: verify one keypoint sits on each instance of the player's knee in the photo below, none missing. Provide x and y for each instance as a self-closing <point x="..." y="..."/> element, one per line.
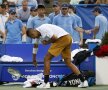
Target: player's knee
<point x="48" y="57"/>
<point x="67" y="61"/>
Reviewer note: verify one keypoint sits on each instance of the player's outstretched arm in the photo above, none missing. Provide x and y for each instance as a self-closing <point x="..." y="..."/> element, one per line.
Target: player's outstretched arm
<point x="35" y="49"/>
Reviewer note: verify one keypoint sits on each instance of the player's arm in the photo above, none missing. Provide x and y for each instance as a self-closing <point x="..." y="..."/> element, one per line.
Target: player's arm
<point x="51" y="40"/>
<point x="35" y="49"/>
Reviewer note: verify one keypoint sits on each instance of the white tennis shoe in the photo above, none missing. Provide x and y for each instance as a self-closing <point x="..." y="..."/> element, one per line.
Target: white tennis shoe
<point x="83" y="84"/>
<point x="44" y="85"/>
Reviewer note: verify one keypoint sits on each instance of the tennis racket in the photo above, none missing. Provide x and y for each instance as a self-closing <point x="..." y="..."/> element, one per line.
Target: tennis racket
<point x="15" y="72"/>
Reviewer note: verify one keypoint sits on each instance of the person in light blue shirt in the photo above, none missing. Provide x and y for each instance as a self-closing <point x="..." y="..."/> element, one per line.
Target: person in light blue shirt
<point x="40" y="18"/>
<point x="66" y="21"/>
<point x="77" y="36"/>
<point x="14" y="29"/>
<point x="56" y="9"/>
<point x="33" y="12"/>
<point x="101" y="24"/>
<point x="24" y="12"/>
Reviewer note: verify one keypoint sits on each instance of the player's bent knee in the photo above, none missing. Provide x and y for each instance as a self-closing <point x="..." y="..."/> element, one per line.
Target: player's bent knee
<point x="48" y="56"/>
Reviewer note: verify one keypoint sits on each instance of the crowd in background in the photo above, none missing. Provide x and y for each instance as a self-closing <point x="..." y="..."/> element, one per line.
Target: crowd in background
<point x="48" y="1"/>
<point x="17" y="16"/>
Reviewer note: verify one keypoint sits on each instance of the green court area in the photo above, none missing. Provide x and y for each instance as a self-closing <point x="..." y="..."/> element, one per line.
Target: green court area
<point x="19" y="87"/>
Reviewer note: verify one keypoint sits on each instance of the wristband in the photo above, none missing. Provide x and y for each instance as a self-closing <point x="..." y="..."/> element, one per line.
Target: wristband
<point x="35" y="50"/>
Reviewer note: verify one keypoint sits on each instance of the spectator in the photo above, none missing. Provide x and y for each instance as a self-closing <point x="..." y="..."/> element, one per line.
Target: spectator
<point x="101" y="24"/>
<point x="33" y="13"/>
<point x="65" y="20"/>
<point x="3" y="18"/>
<point x="56" y="9"/>
<point x="77" y="36"/>
<point x="7" y="5"/>
<point x="40" y="19"/>
<point x="24" y="12"/>
<point x="14" y="29"/>
<point x="4" y="13"/>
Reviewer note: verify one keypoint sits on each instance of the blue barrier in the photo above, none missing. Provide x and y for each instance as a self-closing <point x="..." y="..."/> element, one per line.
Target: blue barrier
<point x="58" y="68"/>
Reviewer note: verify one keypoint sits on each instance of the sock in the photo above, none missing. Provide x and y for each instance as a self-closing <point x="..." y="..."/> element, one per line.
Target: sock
<point x="46" y="78"/>
<point x="81" y="77"/>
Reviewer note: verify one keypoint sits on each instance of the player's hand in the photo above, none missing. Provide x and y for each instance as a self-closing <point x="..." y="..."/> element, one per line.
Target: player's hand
<point x="34" y="62"/>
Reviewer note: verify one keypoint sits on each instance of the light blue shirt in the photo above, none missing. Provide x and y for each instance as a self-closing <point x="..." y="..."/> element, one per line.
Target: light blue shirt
<point x="37" y="21"/>
<point x="29" y="21"/>
<point x="23" y="15"/>
<point x="28" y="39"/>
<point x="51" y="16"/>
<point x="102" y="22"/>
<point x="66" y="22"/>
<point x="76" y="35"/>
<point x="14" y="32"/>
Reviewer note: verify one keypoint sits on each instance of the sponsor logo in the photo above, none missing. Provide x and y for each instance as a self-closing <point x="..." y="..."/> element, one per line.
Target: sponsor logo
<point x="72" y="82"/>
<point x="15" y="78"/>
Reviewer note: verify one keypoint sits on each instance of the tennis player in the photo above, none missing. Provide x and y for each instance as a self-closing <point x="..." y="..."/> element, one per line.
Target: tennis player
<point x="61" y="44"/>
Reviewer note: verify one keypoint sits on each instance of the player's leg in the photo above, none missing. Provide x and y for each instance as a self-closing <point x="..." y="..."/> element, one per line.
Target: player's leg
<point x="66" y="54"/>
<point x="47" y="60"/>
